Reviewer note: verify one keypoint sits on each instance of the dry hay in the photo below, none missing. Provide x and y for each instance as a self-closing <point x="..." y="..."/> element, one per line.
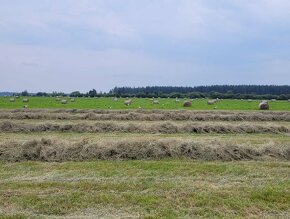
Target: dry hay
<point x="150" y="128"/>
<point x="128" y="102"/>
<point x="264" y="105"/>
<point x="60" y="151"/>
<point x="63" y="101"/>
<point x="143" y="115"/>
<point x="187" y="104"/>
<point x="211" y="102"/>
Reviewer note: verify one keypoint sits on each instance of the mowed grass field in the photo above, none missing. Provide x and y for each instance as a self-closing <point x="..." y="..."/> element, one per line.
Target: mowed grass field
<point x="144" y="103"/>
<point x="63" y="163"/>
<point x="145" y="189"/>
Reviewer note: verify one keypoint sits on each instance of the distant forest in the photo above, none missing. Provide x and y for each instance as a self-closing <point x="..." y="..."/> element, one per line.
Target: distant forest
<point x="214" y="91"/>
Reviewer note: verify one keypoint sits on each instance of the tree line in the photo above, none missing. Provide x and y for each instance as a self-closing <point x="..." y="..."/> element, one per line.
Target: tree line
<point x="213" y="91"/>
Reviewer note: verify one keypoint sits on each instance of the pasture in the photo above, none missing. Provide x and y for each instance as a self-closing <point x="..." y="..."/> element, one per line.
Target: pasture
<point x="100" y="163"/>
<point x="143" y="103"/>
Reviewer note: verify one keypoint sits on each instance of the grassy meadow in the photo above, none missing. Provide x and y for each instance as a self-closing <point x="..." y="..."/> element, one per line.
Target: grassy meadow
<point x="144" y="103"/>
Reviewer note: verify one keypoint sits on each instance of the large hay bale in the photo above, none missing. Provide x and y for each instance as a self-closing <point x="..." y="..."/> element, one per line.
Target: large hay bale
<point x="115" y="99"/>
<point x="250" y="100"/>
<point x="72" y="100"/>
<point x="187" y="104"/>
<point x="289" y="100"/>
<point x="25" y="100"/>
<point x="264" y="105"/>
<point x="128" y="102"/>
<point x="156" y="102"/>
<point x="211" y="102"/>
<point x="12" y="100"/>
<point x="63" y="101"/>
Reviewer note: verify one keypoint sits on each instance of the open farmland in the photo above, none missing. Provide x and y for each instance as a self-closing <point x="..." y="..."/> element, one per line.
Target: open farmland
<point x="81" y="163"/>
<point x="144" y="103"/>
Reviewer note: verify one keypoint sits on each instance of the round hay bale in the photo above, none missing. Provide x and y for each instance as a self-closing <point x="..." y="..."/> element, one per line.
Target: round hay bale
<point x="264" y="105"/>
<point x="63" y="101"/>
<point x="187" y="104"/>
<point x="72" y="100"/>
<point x="211" y="102"/>
<point x="25" y="100"/>
<point x="128" y="102"/>
<point x="156" y="102"/>
<point x="289" y="100"/>
<point x="250" y="100"/>
<point x="12" y="100"/>
<point x="115" y="99"/>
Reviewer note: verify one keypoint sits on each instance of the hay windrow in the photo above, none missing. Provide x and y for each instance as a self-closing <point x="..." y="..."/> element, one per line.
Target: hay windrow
<point x="144" y="115"/>
<point x="60" y="151"/>
<point x="150" y="128"/>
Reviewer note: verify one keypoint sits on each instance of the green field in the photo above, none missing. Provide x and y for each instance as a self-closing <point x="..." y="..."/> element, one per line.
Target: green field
<point x="144" y="163"/>
<point x="145" y="189"/>
<point x="144" y="103"/>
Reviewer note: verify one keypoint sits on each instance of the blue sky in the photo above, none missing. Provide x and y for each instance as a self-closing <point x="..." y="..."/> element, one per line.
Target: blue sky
<point x="67" y="45"/>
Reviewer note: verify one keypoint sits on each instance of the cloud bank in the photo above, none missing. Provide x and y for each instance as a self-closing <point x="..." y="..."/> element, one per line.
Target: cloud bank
<point x="78" y="45"/>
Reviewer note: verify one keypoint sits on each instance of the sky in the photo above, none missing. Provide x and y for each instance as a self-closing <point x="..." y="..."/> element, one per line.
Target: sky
<point x="69" y="45"/>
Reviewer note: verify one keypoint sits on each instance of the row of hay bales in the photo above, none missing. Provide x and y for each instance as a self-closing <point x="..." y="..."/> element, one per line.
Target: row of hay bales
<point x="24" y="100"/>
<point x="156" y="102"/>
<point x="263" y="105"/>
<point x="64" y="101"/>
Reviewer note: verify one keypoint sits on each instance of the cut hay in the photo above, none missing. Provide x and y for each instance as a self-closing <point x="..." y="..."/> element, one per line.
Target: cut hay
<point x="187" y="104"/>
<point x="143" y="115"/>
<point x="211" y="102"/>
<point x="147" y="128"/>
<point x="63" y="101"/>
<point x="47" y="150"/>
<point x="128" y="102"/>
<point x="264" y="105"/>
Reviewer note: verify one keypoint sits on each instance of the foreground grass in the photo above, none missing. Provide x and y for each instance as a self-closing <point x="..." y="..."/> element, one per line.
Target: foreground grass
<point x="144" y="103"/>
<point x="145" y="189"/>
